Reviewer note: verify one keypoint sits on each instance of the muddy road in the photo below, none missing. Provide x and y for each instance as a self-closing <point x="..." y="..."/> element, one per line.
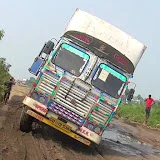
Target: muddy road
<point x="120" y="142"/>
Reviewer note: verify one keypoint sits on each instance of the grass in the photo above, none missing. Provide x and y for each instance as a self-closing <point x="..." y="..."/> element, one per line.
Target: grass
<point x="136" y="113"/>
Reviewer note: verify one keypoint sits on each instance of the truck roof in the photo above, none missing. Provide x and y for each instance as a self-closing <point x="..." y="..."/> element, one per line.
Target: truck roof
<point x="93" y="27"/>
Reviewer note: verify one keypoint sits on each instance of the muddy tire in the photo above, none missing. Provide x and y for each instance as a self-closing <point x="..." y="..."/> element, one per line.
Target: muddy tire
<point x="25" y="121"/>
<point x="93" y="145"/>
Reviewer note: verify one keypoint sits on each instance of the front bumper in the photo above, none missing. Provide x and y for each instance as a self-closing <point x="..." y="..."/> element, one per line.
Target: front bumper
<point x="51" y="119"/>
<point x="63" y="130"/>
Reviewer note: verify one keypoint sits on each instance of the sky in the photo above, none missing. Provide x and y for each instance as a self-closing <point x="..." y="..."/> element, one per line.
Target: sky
<point x="28" y="24"/>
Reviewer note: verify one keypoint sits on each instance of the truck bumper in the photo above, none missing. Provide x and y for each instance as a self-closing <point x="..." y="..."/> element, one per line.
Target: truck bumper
<point x="53" y="122"/>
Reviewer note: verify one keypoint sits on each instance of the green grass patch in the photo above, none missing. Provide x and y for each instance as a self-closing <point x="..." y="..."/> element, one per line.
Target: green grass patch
<point x="154" y="120"/>
<point x="136" y="113"/>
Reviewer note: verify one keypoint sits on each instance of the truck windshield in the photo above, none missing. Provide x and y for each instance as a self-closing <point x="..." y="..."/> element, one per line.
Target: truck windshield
<point x="109" y="80"/>
<point x="71" y="59"/>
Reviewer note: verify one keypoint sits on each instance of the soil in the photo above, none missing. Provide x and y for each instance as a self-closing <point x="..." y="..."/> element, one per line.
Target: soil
<point x="120" y="142"/>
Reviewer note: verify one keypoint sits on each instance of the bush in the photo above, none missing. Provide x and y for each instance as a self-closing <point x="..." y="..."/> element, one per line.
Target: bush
<point x="4" y="76"/>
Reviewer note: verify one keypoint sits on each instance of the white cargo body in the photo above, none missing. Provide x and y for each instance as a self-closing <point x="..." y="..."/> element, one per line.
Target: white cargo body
<point x="88" y="24"/>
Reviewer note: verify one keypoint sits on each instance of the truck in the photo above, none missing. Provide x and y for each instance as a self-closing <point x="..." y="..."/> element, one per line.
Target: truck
<point x="81" y="80"/>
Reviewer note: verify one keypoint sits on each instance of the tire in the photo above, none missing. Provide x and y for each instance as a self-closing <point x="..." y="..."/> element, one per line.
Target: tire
<point x="93" y="145"/>
<point x="25" y="121"/>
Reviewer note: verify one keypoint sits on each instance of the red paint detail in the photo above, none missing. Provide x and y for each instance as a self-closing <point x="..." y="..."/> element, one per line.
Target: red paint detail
<point x="41" y="109"/>
<point x="120" y="60"/>
<point x="34" y="84"/>
<point x="83" y="38"/>
<point x="55" y="87"/>
<point x="122" y="96"/>
<point x="84" y="131"/>
<point x="39" y="118"/>
<point x="128" y="82"/>
<point x="64" y="79"/>
<point x="50" y="97"/>
<point x="113" y="108"/>
<point x="96" y="104"/>
<point x="96" y="97"/>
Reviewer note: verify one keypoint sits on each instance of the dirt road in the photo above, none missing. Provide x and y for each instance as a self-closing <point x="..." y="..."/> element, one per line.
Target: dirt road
<point x="120" y="142"/>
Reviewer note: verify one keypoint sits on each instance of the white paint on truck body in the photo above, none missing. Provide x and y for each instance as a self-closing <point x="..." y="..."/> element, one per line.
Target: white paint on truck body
<point x="86" y="23"/>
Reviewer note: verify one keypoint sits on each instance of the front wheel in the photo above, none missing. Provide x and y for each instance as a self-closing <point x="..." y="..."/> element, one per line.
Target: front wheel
<point x="25" y="121"/>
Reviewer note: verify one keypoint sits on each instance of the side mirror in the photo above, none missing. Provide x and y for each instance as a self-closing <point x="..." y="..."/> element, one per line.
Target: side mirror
<point x="36" y="66"/>
<point x="48" y="47"/>
<point x="130" y="94"/>
<point x="41" y="58"/>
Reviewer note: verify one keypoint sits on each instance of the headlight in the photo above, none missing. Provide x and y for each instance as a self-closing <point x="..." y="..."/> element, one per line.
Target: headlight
<point x="97" y="130"/>
<point x="34" y="95"/>
<point x="90" y="127"/>
<point x="41" y="99"/>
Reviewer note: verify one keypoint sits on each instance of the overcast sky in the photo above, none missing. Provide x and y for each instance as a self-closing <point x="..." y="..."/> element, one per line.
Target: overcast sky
<point x="28" y="24"/>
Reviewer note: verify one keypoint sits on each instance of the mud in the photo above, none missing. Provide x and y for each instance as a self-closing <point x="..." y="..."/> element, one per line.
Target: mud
<point x="120" y="142"/>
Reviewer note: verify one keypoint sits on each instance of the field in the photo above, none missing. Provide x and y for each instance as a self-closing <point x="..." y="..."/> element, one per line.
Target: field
<point x="136" y="113"/>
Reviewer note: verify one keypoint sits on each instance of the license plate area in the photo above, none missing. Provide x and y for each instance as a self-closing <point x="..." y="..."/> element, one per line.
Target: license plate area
<point x="62" y="129"/>
<point x="60" y="124"/>
<point x="62" y="119"/>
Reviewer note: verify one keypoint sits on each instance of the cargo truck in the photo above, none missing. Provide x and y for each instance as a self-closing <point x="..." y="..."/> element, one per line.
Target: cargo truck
<point x="82" y="78"/>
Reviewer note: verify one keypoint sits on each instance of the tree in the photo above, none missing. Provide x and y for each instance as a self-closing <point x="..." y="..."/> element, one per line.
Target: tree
<point x="4" y="76"/>
<point x="1" y="34"/>
<point x="29" y="82"/>
<point x="139" y="97"/>
<point x="4" y="68"/>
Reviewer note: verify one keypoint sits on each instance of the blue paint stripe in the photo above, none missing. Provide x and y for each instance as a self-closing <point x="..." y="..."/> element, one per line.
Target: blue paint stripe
<point x="77" y="47"/>
<point x="41" y="73"/>
<point x="75" y="51"/>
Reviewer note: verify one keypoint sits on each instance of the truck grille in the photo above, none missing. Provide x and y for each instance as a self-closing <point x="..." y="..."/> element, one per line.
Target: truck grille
<point x="72" y="99"/>
<point x="47" y="83"/>
<point x="100" y="114"/>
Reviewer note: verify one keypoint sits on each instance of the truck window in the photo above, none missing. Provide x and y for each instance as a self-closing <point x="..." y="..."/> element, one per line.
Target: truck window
<point x="109" y="80"/>
<point x="71" y="59"/>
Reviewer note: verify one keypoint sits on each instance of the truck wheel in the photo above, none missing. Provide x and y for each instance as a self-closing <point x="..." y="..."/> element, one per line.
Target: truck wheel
<point x="93" y="145"/>
<point x="25" y="121"/>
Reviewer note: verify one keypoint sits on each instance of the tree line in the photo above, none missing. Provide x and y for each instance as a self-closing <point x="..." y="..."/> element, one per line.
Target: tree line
<point x="4" y="70"/>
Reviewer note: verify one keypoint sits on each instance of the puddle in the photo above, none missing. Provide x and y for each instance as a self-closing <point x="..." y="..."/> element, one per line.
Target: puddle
<point x="127" y="143"/>
<point x="119" y="135"/>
